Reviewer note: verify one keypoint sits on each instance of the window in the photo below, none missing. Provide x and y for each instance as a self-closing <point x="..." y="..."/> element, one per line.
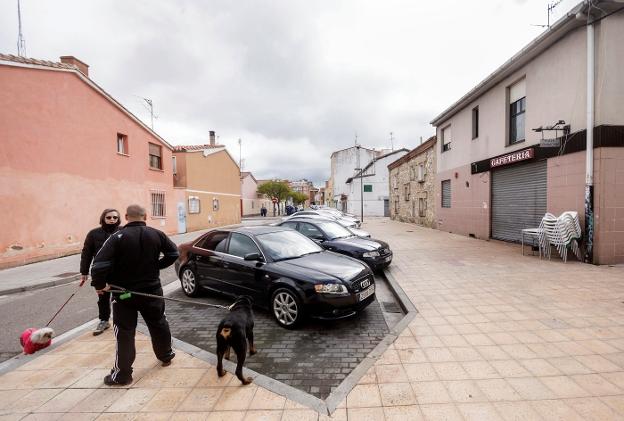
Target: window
<point x="194" y="204"/>
<point x="155" y="156"/>
<point x="406" y="191"/>
<point x="291" y="225"/>
<point x="215" y="204"/>
<point x="421" y="173"/>
<point x="395" y="182"/>
<point x="240" y="245"/>
<point x="310" y="231"/>
<point x="446" y="139"/>
<point x="475" y="122"/>
<point x="122" y="144"/>
<point x="422" y="206"/>
<point x="412" y="173"/>
<point x="446" y="193"/>
<point x="215" y="241"/>
<point x="158" y="204"/>
<point x="396" y="206"/>
<point x="174" y="165"/>
<point x="368" y="188"/>
<point x="517" y="108"/>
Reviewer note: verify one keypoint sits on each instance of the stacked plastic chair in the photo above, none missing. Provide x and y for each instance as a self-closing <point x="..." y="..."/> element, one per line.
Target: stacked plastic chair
<point x="561" y="232"/>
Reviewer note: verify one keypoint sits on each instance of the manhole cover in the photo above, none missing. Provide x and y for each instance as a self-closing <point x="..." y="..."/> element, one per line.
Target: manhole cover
<point x="390" y="307"/>
<point x="66" y="274"/>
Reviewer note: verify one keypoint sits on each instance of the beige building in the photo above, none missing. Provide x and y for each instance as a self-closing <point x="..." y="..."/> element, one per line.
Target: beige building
<point x="515" y="147"/>
<point x="210" y="179"/>
<point x="412" y="185"/>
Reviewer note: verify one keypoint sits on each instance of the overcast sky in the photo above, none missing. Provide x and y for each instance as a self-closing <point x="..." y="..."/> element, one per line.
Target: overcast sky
<point x="295" y="80"/>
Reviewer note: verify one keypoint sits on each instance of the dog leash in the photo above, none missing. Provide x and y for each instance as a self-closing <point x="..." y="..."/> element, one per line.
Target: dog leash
<point x="63" y="306"/>
<point x="125" y="293"/>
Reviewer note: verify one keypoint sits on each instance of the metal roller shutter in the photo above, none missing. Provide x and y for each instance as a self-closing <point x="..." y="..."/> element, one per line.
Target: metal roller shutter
<point x="518" y="199"/>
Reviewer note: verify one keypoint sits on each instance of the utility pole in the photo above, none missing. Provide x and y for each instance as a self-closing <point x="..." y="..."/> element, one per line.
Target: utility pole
<point x="21" y="43"/>
<point x="240" y="154"/>
<point x="359" y="168"/>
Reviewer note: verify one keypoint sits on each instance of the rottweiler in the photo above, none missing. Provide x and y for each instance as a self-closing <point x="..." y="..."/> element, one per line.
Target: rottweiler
<point x="233" y="332"/>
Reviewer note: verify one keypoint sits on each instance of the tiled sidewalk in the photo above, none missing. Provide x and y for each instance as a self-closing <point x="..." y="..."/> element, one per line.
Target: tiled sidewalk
<point x="498" y="336"/>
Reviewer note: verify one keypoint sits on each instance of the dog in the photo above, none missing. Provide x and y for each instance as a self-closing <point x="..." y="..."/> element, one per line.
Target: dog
<point x="32" y="340"/>
<point x="234" y="331"/>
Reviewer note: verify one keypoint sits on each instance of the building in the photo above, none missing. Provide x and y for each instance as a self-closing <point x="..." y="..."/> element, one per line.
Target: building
<point x="305" y="187"/>
<point x="412" y="185"/>
<point x="515" y="146"/>
<point x="369" y="188"/>
<point x="210" y="180"/>
<point x="343" y="164"/>
<point x="69" y="150"/>
<point x="252" y="201"/>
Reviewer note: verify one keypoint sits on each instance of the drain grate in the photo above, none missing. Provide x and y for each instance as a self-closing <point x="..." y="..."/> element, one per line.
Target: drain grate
<point x="390" y="307"/>
<point x="66" y="274"/>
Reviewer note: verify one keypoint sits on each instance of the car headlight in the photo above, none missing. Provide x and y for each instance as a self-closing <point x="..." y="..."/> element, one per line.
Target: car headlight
<point x="371" y="254"/>
<point x="330" y="289"/>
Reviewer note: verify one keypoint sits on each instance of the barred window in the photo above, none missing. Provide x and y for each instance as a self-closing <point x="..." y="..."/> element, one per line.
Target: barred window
<point x="194" y="204"/>
<point x="158" y="204"/>
<point x="155" y="156"/>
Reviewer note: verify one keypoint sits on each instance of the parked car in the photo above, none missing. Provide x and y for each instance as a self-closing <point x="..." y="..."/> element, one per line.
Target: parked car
<point x="283" y="270"/>
<point x="344" y="221"/>
<point x="351" y="227"/>
<point x="334" y="237"/>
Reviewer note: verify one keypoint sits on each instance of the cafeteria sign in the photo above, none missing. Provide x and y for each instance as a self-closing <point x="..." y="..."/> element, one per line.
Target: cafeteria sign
<point x="511" y="158"/>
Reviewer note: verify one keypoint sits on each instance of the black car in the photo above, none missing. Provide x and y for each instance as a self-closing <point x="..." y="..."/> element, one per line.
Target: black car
<point x="334" y="237"/>
<point x="281" y="269"/>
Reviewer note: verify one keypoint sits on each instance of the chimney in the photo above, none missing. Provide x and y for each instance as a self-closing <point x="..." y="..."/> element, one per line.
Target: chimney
<point x="212" y="138"/>
<point x="83" y="67"/>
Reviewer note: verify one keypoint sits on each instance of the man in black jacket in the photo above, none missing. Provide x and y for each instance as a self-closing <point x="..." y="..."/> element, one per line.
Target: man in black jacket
<point x="130" y="258"/>
<point x="109" y="223"/>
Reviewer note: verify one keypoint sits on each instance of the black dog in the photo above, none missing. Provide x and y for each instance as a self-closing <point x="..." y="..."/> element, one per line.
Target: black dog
<point x="234" y="331"/>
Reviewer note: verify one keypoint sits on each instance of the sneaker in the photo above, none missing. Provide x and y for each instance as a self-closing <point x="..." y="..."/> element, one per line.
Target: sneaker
<point x="166" y="362"/>
<point x="108" y="381"/>
<point x="101" y="327"/>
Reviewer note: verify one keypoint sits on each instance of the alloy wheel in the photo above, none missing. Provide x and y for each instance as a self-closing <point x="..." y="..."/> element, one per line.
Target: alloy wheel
<point x="285" y="308"/>
<point x="189" y="284"/>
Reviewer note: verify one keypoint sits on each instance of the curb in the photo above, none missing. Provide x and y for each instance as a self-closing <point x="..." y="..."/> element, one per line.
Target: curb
<point x="46" y="284"/>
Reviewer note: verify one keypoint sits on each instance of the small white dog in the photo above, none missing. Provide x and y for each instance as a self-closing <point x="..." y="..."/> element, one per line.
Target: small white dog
<point x="32" y="340"/>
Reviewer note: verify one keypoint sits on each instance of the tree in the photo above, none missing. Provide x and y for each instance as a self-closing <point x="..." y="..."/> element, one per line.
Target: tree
<point x="275" y="189"/>
<point x="298" y="197"/>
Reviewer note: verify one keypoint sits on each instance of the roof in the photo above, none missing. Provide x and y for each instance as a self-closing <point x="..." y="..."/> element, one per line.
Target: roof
<point x="247" y="174"/>
<point x="11" y="60"/>
<point x="350" y="147"/>
<point x="195" y="148"/>
<point x="357" y="175"/>
<point x="557" y="31"/>
<point x="429" y="143"/>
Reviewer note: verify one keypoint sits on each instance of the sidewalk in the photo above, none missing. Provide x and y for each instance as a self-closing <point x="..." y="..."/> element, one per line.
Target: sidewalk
<point x="499" y="336"/>
<point x="66" y="269"/>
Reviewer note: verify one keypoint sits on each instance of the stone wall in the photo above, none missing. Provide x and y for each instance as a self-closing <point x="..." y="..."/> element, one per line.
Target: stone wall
<point x="406" y="191"/>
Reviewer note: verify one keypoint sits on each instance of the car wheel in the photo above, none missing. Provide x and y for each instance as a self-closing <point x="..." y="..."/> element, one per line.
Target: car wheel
<point x="287" y="308"/>
<point x="189" y="282"/>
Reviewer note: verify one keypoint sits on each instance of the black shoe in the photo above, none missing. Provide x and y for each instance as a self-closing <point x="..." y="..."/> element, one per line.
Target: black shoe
<point x="166" y="362"/>
<point x="108" y="381"/>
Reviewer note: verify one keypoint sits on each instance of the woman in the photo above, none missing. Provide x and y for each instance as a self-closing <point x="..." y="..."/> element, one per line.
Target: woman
<point x="109" y="223"/>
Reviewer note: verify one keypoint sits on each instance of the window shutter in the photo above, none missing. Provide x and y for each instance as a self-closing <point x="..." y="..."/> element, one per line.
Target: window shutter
<point x="154" y="149"/>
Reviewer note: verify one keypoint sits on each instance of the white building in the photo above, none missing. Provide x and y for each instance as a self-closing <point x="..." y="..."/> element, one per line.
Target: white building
<point x="370" y="191"/>
<point x="343" y="164"/>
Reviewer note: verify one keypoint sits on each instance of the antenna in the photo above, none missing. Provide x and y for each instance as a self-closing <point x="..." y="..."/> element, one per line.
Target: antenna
<point x="550" y="8"/>
<point x="240" y="154"/>
<point x="391" y="142"/>
<point x="21" y="43"/>
<point x="356" y="139"/>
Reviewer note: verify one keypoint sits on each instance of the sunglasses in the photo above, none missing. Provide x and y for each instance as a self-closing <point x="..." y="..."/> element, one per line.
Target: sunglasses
<point x="112" y="217"/>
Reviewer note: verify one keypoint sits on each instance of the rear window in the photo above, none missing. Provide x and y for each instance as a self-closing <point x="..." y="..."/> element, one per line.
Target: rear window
<point x="214" y="241"/>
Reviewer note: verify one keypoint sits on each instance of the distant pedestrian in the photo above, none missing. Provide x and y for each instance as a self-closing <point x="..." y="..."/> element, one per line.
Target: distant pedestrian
<point x="109" y="223"/>
<point x="131" y="259"/>
<point x="263" y="210"/>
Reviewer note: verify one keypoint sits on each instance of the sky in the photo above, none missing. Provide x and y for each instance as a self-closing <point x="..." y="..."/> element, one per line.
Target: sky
<point x="295" y="80"/>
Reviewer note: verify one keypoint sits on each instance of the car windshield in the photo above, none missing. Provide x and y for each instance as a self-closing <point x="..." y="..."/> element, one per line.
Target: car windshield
<point x="335" y="230"/>
<point x="289" y="244"/>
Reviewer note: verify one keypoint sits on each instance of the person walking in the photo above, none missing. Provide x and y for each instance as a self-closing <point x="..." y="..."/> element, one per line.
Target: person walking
<point x="109" y="223"/>
<point x="263" y="210"/>
<point x="131" y="259"/>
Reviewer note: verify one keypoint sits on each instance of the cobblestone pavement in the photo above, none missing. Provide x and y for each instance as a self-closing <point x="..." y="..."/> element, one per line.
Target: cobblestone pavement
<point x="315" y="358"/>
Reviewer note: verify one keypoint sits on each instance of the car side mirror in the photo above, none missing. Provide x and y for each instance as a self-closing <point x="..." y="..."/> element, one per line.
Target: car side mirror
<point x="254" y="256"/>
<point x="318" y="239"/>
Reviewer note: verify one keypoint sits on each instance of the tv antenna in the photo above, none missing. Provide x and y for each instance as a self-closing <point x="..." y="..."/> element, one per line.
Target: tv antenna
<point x="391" y="142"/>
<point x="21" y="43"/>
<point x="551" y="7"/>
<point x="149" y="106"/>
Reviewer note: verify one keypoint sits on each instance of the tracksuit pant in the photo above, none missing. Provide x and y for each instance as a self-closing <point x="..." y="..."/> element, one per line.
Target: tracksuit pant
<point x="104" y="306"/>
<point x="125" y="314"/>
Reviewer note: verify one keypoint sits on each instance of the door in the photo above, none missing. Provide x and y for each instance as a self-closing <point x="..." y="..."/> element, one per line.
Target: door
<point x="243" y="277"/>
<point x="386" y="207"/>
<point x="518" y="199"/>
<point x="181" y="218"/>
<point x="208" y="257"/>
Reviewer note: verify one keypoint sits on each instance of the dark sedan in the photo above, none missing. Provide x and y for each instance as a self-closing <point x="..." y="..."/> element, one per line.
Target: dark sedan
<point x="281" y="269"/>
<point x="334" y="237"/>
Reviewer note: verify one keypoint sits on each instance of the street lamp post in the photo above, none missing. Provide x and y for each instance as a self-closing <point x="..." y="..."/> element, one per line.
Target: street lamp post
<point x="359" y="168"/>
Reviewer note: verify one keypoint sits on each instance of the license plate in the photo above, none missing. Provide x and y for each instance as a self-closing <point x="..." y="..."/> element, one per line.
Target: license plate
<point x="387" y="259"/>
<point x="366" y="293"/>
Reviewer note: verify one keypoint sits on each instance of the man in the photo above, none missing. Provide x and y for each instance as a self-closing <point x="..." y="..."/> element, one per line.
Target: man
<point x="130" y="258"/>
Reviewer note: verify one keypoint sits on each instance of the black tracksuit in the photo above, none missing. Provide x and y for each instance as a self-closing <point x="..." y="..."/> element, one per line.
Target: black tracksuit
<point x="130" y="258"/>
<point x="92" y="244"/>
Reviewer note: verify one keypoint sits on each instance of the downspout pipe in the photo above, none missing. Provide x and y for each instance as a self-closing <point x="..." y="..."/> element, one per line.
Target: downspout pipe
<point x="589" y="155"/>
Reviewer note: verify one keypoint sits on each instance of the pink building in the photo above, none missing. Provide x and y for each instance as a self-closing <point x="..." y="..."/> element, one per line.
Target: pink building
<point x="68" y="150"/>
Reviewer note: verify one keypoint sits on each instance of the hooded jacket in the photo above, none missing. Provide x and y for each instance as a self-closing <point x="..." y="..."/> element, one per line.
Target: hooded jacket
<point x="130" y="258"/>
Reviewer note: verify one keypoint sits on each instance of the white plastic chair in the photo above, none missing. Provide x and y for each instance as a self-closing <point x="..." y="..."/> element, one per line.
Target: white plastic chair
<point x="561" y="232"/>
